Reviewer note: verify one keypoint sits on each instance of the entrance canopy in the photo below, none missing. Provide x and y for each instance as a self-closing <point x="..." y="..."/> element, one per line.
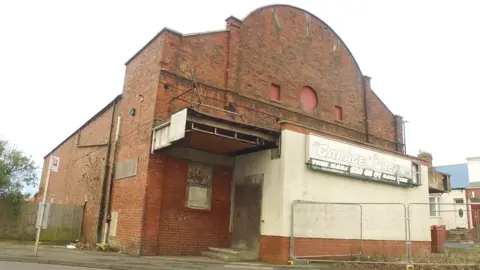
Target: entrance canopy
<point x="191" y="129"/>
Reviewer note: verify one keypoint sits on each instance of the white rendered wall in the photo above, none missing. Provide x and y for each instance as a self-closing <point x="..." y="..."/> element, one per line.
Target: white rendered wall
<point x="473" y="169"/>
<point x="272" y="194"/>
<point x="288" y="179"/>
<point x="449" y="211"/>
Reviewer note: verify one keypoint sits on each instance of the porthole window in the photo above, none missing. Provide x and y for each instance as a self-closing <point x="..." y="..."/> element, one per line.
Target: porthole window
<point x="308" y="98"/>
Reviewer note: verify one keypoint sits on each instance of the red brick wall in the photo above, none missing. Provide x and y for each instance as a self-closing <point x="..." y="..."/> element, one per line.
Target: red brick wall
<point x="285" y="46"/>
<point x="475" y="209"/>
<point x="276" y="249"/>
<point x="206" y="53"/>
<point x="283" y="53"/>
<point x="281" y="45"/>
<point x="184" y="231"/>
<point x="81" y="170"/>
<point x="139" y="93"/>
<point x="381" y="120"/>
<point x="153" y="203"/>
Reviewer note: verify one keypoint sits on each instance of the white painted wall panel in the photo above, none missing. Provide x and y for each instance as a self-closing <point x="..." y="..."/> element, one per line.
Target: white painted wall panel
<point x="473" y="169"/>
<point x="288" y="179"/>
<point x="449" y="211"/>
<point x="272" y="194"/>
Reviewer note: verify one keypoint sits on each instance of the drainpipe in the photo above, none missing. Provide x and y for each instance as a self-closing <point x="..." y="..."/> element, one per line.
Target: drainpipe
<point x="101" y="211"/>
<point x="404" y="135"/>
<point x="112" y="178"/>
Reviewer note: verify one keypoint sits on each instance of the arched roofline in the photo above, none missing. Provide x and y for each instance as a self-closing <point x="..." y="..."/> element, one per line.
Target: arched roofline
<point x="314" y="16"/>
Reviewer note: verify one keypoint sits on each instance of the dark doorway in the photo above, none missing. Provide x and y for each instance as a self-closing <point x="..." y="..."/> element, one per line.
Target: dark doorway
<point x="247" y="213"/>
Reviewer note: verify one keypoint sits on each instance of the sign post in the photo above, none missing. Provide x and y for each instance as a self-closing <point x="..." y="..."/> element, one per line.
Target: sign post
<point x="53" y="166"/>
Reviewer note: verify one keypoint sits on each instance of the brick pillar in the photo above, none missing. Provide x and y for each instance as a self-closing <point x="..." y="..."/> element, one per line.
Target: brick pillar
<point x="233" y="27"/>
<point x="426" y="157"/>
<point x="153" y="204"/>
<point x="438" y="238"/>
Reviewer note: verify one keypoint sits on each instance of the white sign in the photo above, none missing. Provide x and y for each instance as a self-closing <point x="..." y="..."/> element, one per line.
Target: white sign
<point x="165" y="134"/>
<point x="178" y="121"/>
<point x="338" y="157"/>
<point x="42" y="215"/>
<point x="54" y="163"/>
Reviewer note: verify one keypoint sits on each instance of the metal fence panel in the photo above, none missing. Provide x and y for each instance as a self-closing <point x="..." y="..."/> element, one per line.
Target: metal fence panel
<point x="460" y="221"/>
<point x="337" y="230"/>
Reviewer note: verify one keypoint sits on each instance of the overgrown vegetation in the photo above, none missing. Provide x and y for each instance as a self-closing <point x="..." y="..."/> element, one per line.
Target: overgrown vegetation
<point x="453" y="258"/>
<point x="17" y="170"/>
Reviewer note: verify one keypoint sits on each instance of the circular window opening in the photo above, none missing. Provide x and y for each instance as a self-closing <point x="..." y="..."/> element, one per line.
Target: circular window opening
<point x="308" y="98"/>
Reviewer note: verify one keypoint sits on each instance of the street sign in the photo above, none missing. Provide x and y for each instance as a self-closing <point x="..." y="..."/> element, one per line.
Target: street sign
<point x="42" y="214"/>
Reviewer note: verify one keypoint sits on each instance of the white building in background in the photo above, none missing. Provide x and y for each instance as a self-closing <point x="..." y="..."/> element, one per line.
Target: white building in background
<point x="473" y="164"/>
<point x="451" y="206"/>
<point x="450" y="209"/>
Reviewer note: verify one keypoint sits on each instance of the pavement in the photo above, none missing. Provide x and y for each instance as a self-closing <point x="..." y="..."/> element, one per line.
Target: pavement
<point x="460" y="245"/>
<point x="30" y="266"/>
<point x="60" y="255"/>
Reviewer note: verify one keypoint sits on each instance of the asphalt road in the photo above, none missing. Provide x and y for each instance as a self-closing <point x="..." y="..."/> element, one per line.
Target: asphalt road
<point x="35" y="266"/>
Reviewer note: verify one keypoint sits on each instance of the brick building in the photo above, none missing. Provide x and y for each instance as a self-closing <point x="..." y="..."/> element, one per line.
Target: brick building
<point x="219" y="132"/>
<point x="465" y="178"/>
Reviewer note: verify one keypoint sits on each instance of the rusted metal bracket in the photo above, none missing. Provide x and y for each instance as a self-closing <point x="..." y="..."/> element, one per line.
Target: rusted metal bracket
<point x="194" y="88"/>
<point x="176" y="97"/>
<point x="195" y="85"/>
<point x="195" y="105"/>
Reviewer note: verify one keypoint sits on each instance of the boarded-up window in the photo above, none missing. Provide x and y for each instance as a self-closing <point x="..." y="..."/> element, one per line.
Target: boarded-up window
<point x="199" y="186"/>
<point x="275" y="92"/>
<point x="338" y="113"/>
<point x="434" y="206"/>
<point x="416" y="173"/>
<point x="126" y="168"/>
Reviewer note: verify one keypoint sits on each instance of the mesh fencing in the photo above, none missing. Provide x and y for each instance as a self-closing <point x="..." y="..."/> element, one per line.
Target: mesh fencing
<point x="393" y="232"/>
<point x="329" y="230"/>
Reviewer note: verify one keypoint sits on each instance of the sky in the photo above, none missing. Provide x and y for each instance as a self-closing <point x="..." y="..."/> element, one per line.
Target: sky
<point x="62" y="61"/>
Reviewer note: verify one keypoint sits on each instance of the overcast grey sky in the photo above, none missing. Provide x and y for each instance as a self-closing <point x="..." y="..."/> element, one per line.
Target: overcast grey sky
<point x="62" y="61"/>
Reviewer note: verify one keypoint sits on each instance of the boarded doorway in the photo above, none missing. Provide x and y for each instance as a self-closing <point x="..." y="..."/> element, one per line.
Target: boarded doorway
<point x="247" y="213"/>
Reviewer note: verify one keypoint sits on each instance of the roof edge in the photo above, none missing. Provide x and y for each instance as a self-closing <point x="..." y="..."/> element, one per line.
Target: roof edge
<point x="381" y="101"/>
<point x="314" y="16"/>
<point x="329" y="28"/>
<point x="165" y="29"/>
<point x="456" y="164"/>
<point x="116" y="99"/>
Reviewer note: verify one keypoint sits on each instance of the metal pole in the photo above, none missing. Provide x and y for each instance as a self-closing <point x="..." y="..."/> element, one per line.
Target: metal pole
<point x="106" y="169"/>
<point x="361" y="229"/>
<point x="404" y="136"/>
<point x="408" y="241"/>
<point x="112" y="174"/>
<point x="292" y="237"/>
<point x="42" y="212"/>
<point x="477" y="226"/>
